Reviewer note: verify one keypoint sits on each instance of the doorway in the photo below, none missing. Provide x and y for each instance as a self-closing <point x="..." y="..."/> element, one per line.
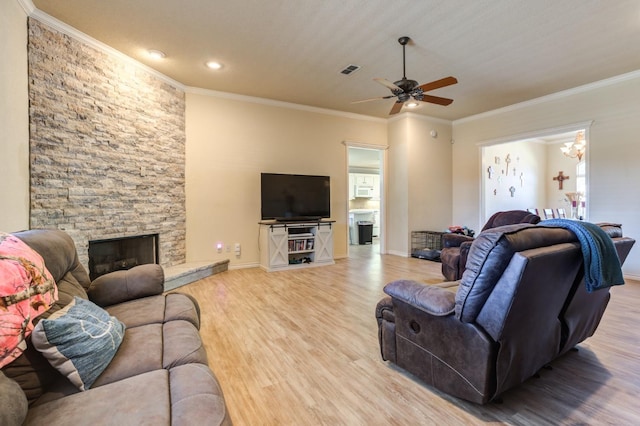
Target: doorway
<point x="365" y="199"/>
<point x="534" y="172"/>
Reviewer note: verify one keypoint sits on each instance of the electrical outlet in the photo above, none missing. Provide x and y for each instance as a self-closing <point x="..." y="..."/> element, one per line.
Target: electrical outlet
<point x="237" y="249"/>
<point x="228" y="248"/>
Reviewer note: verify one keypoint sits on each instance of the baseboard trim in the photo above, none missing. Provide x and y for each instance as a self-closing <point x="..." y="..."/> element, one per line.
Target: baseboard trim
<point x="398" y="253"/>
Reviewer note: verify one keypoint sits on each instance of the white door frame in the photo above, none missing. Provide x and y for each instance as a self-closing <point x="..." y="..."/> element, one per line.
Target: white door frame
<point x="585" y="125"/>
<point x="383" y="187"/>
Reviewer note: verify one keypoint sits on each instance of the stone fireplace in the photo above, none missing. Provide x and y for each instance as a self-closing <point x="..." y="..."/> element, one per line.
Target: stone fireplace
<point x="107" y="146"/>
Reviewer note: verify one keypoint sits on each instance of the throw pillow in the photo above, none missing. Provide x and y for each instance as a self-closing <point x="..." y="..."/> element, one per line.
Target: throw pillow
<point x="80" y="340"/>
<point x="27" y="290"/>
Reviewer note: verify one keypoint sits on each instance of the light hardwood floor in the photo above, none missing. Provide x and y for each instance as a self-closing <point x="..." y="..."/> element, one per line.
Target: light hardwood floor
<point x="300" y="348"/>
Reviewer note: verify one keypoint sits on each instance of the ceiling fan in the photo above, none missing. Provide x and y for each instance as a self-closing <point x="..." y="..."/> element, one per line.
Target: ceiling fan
<point x="406" y="89"/>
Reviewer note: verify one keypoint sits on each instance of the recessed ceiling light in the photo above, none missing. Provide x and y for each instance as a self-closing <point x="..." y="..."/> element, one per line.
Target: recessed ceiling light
<point x="412" y="104"/>
<point x="214" y="65"/>
<point x="156" y="54"/>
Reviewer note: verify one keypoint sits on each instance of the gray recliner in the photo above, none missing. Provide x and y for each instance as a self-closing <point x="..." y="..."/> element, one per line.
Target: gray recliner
<point x="455" y="247"/>
<point x="521" y="303"/>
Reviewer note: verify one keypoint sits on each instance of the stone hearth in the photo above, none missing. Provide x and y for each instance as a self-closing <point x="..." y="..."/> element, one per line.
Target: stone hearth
<point x="179" y="275"/>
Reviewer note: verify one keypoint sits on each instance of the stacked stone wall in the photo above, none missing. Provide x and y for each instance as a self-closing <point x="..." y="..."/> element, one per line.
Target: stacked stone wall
<point x="107" y="146"/>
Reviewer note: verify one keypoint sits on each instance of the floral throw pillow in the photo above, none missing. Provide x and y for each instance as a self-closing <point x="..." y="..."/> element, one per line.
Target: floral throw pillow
<point x="27" y="289"/>
<point x="79" y="341"/>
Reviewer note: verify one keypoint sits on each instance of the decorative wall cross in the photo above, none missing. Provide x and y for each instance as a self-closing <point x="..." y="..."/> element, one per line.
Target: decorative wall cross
<point x="560" y="178"/>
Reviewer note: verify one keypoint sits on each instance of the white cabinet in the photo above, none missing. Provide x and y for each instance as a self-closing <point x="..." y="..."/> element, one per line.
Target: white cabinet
<point x="277" y="252"/>
<point x="367" y="183"/>
<point x="291" y="245"/>
<point x="352" y="186"/>
<point x="364" y="180"/>
<point x="376" y="187"/>
<point x="324" y="244"/>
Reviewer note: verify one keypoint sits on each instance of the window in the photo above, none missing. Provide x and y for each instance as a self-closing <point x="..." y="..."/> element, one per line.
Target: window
<point x="581" y="187"/>
<point x="581" y="180"/>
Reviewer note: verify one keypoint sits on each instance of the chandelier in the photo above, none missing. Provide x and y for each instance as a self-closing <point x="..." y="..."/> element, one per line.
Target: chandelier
<point x="576" y="148"/>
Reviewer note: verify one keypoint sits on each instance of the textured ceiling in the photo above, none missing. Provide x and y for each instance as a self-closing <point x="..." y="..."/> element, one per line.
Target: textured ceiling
<point x="502" y="51"/>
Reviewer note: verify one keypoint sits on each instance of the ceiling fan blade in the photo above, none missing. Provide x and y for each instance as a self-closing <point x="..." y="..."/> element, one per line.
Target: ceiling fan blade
<point x="436" y="100"/>
<point x="373" y="99"/>
<point x="443" y="82"/>
<point x="396" y="108"/>
<point x="388" y="84"/>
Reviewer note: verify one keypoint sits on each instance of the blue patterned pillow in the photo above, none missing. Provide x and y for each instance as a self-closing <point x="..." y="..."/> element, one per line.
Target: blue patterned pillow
<point x="79" y="341"/>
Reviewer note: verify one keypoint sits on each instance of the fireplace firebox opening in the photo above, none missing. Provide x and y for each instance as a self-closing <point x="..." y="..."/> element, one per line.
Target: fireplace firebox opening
<point x="117" y="254"/>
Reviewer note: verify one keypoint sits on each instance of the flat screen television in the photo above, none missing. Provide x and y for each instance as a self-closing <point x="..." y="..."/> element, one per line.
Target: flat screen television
<point x="286" y="197"/>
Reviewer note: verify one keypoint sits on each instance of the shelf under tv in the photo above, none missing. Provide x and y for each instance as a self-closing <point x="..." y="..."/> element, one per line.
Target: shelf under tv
<point x="292" y="245"/>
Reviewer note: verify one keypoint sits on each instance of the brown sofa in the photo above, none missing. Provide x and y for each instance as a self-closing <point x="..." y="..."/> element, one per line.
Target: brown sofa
<point x="455" y="247"/>
<point x="159" y="375"/>
<point x="521" y="303"/>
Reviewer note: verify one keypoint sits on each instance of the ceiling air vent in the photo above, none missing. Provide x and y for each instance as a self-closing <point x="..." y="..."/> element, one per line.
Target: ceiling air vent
<point x="350" y="69"/>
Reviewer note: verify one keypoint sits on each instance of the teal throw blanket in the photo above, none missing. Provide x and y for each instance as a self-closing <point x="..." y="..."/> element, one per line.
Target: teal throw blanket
<point x="601" y="263"/>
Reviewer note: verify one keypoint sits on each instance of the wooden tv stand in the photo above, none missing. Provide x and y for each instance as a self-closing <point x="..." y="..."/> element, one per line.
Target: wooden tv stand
<point x="291" y="245"/>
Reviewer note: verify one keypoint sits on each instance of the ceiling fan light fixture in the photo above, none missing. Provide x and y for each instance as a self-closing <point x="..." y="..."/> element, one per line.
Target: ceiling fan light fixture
<point x="405" y="89"/>
<point x="412" y="104"/>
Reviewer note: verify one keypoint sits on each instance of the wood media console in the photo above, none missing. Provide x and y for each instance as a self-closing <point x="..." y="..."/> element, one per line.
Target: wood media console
<point x="290" y="245"/>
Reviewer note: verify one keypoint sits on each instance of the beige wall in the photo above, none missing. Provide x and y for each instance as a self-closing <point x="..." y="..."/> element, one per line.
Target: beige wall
<point x="611" y="157"/>
<point x="429" y="172"/>
<point x="397" y="181"/>
<point x="231" y="141"/>
<point x="529" y="160"/>
<point x="419" y="179"/>
<point x="14" y="119"/>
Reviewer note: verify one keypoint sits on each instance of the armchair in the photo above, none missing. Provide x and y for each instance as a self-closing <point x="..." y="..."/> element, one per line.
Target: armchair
<point x="521" y="304"/>
<point x="455" y="247"/>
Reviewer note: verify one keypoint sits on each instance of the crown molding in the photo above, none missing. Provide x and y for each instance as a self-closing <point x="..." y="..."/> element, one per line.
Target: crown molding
<point x="32" y="11"/>
<point x="27" y="6"/>
<point x="92" y="42"/>
<point x="364" y="145"/>
<point x="280" y="104"/>
<point x="419" y="117"/>
<point x="72" y="32"/>
<point x="98" y="45"/>
<point x="552" y="97"/>
<point x="536" y="134"/>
